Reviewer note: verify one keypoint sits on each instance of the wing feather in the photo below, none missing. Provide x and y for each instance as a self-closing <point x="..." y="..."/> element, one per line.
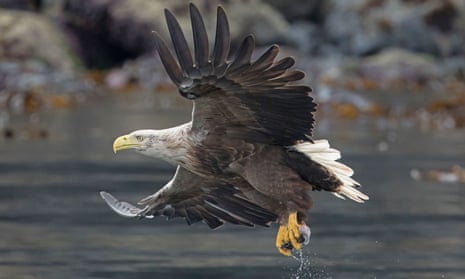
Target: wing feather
<point x="167" y="58"/>
<point x="180" y="44"/>
<point x="195" y="198"/>
<point x="258" y="101"/>
<point x="265" y="60"/>
<point x="192" y="215"/>
<point x="200" y="40"/>
<point x="243" y="55"/>
<point x="222" y="39"/>
<point x="212" y="221"/>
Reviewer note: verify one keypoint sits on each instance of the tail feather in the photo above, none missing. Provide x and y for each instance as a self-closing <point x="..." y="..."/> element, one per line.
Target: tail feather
<point x="353" y="194"/>
<point x="328" y="155"/>
<point x="338" y="168"/>
<point x="321" y="152"/>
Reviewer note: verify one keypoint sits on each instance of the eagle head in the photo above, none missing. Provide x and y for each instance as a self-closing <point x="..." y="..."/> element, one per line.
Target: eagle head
<point x="166" y="144"/>
<point x="140" y="140"/>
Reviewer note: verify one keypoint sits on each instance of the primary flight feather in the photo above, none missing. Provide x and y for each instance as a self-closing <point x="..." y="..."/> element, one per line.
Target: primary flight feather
<point x="247" y="157"/>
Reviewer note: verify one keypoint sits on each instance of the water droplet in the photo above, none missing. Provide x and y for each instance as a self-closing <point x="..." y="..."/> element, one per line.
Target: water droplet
<point x="306" y="269"/>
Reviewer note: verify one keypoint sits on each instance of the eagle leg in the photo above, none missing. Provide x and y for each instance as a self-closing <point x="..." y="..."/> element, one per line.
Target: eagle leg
<point x="282" y="241"/>
<point x="292" y="236"/>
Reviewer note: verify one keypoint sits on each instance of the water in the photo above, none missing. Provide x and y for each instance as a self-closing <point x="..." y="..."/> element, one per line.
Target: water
<point x="54" y="224"/>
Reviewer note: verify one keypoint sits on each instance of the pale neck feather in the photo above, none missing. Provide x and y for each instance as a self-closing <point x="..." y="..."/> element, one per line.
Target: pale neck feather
<point x="170" y="145"/>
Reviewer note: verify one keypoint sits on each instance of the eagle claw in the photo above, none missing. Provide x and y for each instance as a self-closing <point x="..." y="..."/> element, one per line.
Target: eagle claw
<point x="287" y="246"/>
<point x="293" y="236"/>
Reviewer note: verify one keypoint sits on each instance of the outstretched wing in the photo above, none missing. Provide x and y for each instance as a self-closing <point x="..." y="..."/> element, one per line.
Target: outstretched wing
<point x="195" y="199"/>
<point x="254" y="100"/>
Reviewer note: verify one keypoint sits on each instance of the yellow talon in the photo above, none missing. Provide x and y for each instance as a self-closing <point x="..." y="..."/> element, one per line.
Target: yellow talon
<point x="290" y="237"/>
<point x="282" y="241"/>
<point x="294" y="233"/>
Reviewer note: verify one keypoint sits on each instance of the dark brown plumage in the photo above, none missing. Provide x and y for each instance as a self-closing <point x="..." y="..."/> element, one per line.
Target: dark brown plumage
<point x="248" y="156"/>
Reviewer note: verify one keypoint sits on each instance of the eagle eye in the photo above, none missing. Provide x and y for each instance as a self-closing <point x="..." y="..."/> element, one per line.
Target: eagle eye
<point x="139" y="138"/>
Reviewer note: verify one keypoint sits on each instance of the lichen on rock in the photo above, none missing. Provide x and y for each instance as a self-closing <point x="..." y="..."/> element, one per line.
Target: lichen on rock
<point x="26" y="35"/>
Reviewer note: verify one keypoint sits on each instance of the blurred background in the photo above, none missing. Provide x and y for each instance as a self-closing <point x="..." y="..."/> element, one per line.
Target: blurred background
<point x="389" y="78"/>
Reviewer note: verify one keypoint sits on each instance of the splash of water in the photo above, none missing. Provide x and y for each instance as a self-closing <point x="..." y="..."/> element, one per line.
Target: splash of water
<point x="305" y="269"/>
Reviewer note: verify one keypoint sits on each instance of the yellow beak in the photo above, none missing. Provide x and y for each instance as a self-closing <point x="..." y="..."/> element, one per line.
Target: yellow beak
<point x="125" y="142"/>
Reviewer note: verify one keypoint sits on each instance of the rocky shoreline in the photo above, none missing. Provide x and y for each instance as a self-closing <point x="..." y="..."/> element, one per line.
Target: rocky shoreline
<point x="358" y="55"/>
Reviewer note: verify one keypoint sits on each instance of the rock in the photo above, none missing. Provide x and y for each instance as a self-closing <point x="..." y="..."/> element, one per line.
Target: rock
<point x="113" y="30"/>
<point x="26" y="35"/>
<point x="50" y="8"/>
<point x="362" y="27"/>
<point x="144" y="72"/>
<point x="454" y="67"/>
<point x="30" y="85"/>
<point x="256" y="17"/>
<point x="398" y="64"/>
<point x="305" y="36"/>
<point x="454" y="175"/>
<point x="28" y="5"/>
<point x="302" y="10"/>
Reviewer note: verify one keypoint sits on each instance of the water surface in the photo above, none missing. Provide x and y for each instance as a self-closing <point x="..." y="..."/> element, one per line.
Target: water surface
<point x="54" y="225"/>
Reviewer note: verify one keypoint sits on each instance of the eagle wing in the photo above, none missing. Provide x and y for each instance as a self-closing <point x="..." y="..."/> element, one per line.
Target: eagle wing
<point x="253" y="100"/>
<point x="195" y="199"/>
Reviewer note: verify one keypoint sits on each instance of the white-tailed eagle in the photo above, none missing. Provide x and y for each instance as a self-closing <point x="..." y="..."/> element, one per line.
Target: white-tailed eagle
<point x="248" y="156"/>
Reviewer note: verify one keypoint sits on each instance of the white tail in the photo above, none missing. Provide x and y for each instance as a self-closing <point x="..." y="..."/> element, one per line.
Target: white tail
<point x="320" y="152"/>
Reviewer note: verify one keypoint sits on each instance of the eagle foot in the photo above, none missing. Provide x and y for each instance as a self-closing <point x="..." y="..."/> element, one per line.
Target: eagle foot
<point x="293" y="236"/>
